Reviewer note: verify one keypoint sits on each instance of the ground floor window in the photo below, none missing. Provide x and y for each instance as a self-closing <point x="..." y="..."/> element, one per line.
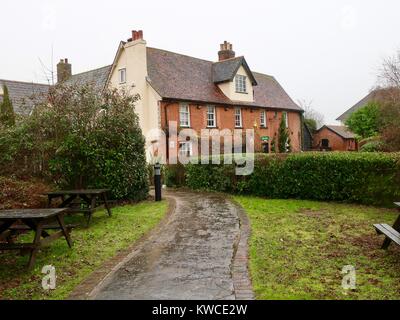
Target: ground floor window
<point x="185" y="148"/>
<point x="325" y="143"/>
<point x="238" y="117"/>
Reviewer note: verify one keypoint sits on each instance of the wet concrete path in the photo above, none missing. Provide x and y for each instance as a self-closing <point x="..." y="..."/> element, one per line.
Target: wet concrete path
<point x="189" y="257"/>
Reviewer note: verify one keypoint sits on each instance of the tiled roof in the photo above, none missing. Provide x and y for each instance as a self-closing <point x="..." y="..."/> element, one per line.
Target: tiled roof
<point x="269" y="93"/>
<point x="342" y="131"/>
<point x="181" y="77"/>
<point x="226" y="70"/>
<point x="97" y="78"/>
<point x="362" y="103"/>
<point x="24" y="94"/>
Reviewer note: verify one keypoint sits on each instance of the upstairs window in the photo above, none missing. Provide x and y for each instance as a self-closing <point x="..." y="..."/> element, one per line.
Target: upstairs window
<point x="122" y="75"/>
<point x="211" y="118"/>
<point x="184" y="115"/>
<point x="240" y="84"/>
<point x="238" y="117"/>
<point x="263" y="119"/>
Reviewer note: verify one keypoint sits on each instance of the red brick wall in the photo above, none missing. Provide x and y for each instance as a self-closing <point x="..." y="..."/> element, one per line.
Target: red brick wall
<point x="226" y="120"/>
<point x="336" y="142"/>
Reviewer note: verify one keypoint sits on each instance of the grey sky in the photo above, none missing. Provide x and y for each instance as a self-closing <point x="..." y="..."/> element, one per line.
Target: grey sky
<point x="325" y="51"/>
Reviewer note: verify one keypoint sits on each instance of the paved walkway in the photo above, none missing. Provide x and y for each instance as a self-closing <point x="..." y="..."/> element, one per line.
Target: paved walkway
<point x="190" y="257"/>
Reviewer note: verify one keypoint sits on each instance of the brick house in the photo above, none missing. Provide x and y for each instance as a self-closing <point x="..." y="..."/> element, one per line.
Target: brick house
<point x="200" y="94"/>
<point x="335" y="138"/>
<point x="195" y="93"/>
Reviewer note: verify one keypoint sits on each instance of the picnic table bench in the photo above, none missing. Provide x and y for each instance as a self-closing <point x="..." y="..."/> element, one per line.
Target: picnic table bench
<point x="85" y="201"/>
<point x="391" y="233"/>
<point x="36" y="220"/>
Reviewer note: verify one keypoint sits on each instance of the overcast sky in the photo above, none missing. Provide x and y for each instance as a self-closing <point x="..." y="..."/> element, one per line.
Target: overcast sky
<point x="325" y="51"/>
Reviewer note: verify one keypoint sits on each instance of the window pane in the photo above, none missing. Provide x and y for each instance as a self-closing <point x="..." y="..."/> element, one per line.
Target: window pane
<point x="184" y="116"/>
<point x="240" y="83"/>
<point x="185" y="149"/>
<point x="211" y="116"/>
<point x="263" y="121"/>
<point x="122" y="75"/>
<point x="238" y="117"/>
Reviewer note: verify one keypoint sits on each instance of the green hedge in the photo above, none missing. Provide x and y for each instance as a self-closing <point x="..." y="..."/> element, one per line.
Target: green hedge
<point x="367" y="178"/>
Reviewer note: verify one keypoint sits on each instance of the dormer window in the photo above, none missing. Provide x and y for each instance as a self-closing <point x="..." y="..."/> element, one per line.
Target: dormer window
<point x="240" y="84"/>
<point x="122" y="75"/>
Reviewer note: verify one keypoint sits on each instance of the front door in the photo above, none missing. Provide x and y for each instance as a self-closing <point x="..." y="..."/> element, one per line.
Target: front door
<point x="265" y="147"/>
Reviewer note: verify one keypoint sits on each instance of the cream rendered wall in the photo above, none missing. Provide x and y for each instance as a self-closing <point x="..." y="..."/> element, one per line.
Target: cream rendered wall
<point x="228" y="88"/>
<point x="133" y="57"/>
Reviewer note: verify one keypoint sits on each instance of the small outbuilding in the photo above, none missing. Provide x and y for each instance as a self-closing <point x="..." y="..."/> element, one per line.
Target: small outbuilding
<point x="335" y="138"/>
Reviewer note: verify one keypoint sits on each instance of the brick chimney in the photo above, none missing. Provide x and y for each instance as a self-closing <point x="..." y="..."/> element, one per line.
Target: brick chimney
<point x="136" y="35"/>
<point x="226" y="51"/>
<point x="64" y="70"/>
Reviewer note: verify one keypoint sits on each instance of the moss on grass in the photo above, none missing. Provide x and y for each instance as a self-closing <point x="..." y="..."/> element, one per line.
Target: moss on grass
<point x="298" y="249"/>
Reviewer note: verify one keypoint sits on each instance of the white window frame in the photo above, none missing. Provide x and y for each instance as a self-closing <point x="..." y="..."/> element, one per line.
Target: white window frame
<point x="186" y="148"/>
<point x="285" y="114"/>
<point x="184" y="115"/>
<point x="122" y="75"/>
<point x="263" y="119"/>
<point x="241" y="83"/>
<point x="238" y="118"/>
<point x="211" y="117"/>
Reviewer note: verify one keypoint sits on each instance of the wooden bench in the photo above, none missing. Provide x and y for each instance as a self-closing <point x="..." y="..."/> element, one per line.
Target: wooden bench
<point x="85" y="201"/>
<point x="392" y="233"/>
<point x="36" y="220"/>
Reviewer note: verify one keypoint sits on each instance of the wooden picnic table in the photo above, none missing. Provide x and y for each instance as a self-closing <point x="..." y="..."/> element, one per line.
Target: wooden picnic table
<point x="392" y="233"/>
<point x="84" y="201"/>
<point x="36" y="220"/>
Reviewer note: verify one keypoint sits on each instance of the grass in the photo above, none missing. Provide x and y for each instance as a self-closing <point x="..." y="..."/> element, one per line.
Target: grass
<point x="93" y="246"/>
<point x="298" y="249"/>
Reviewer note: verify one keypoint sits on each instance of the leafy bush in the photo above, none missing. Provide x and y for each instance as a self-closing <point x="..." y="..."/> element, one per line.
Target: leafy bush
<point x="372" y="146"/>
<point x="174" y="175"/>
<point x="81" y="138"/>
<point x="368" y="178"/>
<point x="7" y="115"/>
<point x="364" y="122"/>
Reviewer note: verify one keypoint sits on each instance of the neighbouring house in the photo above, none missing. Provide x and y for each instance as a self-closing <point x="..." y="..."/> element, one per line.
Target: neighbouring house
<point x="23" y="94"/>
<point x="195" y="93"/>
<point x="334" y="138"/>
<point x="374" y="95"/>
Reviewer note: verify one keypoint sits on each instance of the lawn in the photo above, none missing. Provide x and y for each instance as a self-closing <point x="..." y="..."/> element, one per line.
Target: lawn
<point x="93" y="246"/>
<point x="298" y="249"/>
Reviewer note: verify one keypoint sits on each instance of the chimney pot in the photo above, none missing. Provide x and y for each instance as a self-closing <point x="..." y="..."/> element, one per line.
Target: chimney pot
<point x="226" y="51"/>
<point x="64" y="70"/>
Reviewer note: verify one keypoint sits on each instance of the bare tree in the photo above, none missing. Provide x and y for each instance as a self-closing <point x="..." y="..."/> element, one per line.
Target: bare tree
<point x="310" y="114"/>
<point x="389" y="73"/>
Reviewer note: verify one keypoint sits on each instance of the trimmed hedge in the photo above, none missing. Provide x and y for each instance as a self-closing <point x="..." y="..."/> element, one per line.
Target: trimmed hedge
<point x="367" y="178"/>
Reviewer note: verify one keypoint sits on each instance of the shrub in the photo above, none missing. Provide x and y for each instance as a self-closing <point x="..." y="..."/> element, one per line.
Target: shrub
<point x="367" y="178"/>
<point x="16" y="193"/>
<point x="364" y="122"/>
<point x="7" y="115"/>
<point x="81" y="138"/>
<point x="174" y="175"/>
